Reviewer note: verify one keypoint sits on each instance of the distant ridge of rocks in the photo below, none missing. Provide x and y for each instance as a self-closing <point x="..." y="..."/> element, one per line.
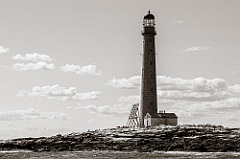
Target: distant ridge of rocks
<point x="200" y="138"/>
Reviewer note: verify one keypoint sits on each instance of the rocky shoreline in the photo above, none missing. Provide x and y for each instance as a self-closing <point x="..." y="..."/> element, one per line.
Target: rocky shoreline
<point x="199" y="138"/>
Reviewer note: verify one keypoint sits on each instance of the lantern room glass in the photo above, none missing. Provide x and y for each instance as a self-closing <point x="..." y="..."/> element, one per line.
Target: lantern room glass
<point x="148" y="22"/>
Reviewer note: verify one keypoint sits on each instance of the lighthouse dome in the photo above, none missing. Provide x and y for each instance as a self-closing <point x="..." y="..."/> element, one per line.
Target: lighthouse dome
<point x="149" y="16"/>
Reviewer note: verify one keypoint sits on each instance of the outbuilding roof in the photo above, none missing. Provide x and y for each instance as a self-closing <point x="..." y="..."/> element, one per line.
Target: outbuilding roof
<point x="161" y="115"/>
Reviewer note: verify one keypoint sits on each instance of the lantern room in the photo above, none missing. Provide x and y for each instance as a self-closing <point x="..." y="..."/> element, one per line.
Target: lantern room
<point x="149" y="20"/>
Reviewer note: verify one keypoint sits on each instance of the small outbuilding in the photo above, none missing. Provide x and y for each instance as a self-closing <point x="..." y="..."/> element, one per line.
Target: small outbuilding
<point x="162" y="118"/>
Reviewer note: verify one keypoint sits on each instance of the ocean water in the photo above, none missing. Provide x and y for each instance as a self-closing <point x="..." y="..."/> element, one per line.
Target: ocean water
<point x="117" y="155"/>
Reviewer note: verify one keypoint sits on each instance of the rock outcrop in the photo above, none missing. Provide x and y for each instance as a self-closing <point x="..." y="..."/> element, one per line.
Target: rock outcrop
<point x="199" y="138"/>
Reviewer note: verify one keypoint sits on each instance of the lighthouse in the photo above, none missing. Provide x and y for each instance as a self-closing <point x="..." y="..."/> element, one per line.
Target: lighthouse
<point x="148" y="103"/>
<point x="149" y="115"/>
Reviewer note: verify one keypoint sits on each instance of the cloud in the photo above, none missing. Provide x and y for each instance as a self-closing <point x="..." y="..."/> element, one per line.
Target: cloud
<point x="31" y="114"/>
<point x="33" y="66"/>
<point x="32" y="57"/>
<point x="183" y="89"/>
<point x="33" y="130"/>
<point x="168" y="83"/>
<point x="121" y="108"/>
<point x="221" y="105"/>
<point x="198" y="84"/>
<point x="217" y="112"/>
<point x="192" y="96"/>
<point x="3" y="50"/>
<point x="186" y="109"/>
<point x="3" y="66"/>
<point x="41" y="62"/>
<point x="198" y="89"/>
<point x="126" y="100"/>
<point x="130" y="83"/>
<point x="104" y="109"/>
<point x="197" y="100"/>
<point x="94" y="95"/>
<point x="235" y="89"/>
<point x="196" y="48"/>
<point x="178" y="21"/>
<point x="59" y="92"/>
<point x="88" y="69"/>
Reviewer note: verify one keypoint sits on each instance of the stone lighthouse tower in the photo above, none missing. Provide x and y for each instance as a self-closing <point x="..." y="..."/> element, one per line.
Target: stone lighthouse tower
<point x="149" y="84"/>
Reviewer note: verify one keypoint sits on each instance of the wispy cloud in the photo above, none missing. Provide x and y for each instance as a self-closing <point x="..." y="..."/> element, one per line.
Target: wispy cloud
<point x="3" y="66"/>
<point x="121" y="108"/>
<point x="94" y="95"/>
<point x="58" y="92"/>
<point x="31" y="114"/>
<point x="206" y="108"/>
<point x="88" y="69"/>
<point x="32" y="57"/>
<point x="178" y="21"/>
<point x="33" y="66"/>
<point x="196" y="48"/>
<point x="128" y="83"/>
<point x="3" y="50"/>
<point x="199" y="84"/>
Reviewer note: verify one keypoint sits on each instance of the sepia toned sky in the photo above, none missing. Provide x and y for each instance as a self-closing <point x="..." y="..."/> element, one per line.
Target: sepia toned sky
<point x="74" y="65"/>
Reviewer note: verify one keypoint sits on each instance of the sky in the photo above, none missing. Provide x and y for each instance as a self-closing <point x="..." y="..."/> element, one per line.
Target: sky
<point x="75" y="65"/>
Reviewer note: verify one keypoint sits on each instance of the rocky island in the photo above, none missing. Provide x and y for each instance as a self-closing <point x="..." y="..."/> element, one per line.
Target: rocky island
<point x="199" y="138"/>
